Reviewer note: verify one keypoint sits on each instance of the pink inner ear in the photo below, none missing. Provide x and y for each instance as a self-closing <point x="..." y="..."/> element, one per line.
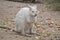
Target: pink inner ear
<point x="35" y="6"/>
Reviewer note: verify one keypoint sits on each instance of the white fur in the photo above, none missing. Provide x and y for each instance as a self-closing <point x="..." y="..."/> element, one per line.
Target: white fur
<point x="24" y="19"/>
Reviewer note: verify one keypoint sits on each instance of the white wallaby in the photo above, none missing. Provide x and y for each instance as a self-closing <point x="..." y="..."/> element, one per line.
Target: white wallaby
<point x="24" y="19"/>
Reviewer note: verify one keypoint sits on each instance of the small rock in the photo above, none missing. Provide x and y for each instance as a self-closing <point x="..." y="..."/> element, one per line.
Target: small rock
<point x="2" y="37"/>
<point x="37" y="37"/>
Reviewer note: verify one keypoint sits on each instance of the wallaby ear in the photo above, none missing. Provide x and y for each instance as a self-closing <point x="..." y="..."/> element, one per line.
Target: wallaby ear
<point x="29" y="6"/>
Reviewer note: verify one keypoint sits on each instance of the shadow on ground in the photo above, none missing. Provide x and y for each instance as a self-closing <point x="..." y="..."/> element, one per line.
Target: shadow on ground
<point x="37" y="2"/>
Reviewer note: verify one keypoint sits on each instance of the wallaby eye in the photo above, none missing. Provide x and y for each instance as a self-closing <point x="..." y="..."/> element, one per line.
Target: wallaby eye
<point x="33" y="11"/>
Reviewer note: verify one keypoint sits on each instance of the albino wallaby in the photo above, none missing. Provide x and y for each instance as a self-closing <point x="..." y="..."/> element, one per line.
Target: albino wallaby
<point x="24" y="19"/>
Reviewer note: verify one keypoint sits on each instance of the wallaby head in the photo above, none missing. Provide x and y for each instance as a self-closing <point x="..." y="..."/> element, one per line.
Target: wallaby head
<point x="33" y="10"/>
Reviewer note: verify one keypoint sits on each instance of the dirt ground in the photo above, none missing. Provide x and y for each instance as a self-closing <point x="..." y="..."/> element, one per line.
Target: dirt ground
<point x="10" y="8"/>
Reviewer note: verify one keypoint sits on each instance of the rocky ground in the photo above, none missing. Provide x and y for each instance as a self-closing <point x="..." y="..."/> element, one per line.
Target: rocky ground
<point x="8" y="10"/>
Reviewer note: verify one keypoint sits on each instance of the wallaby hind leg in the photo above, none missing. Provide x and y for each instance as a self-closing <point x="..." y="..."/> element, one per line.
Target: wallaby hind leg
<point x="23" y="31"/>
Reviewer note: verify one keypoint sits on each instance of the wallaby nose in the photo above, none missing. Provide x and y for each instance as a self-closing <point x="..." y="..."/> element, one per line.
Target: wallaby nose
<point x="35" y="14"/>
